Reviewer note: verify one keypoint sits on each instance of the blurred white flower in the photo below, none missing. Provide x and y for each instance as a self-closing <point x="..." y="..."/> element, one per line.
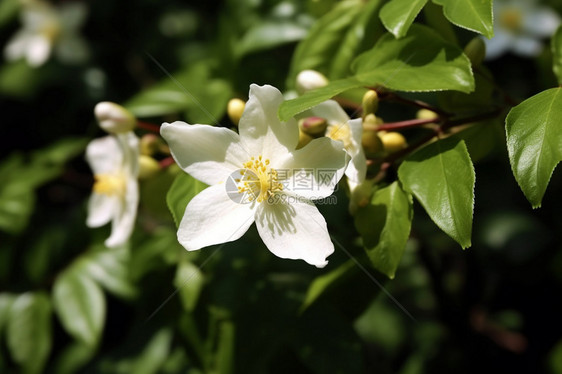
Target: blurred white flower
<point x="114" y="160"/>
<point x="46" y="28"/>
<point x="253" y="177"/>
<point x="519" y="26"/>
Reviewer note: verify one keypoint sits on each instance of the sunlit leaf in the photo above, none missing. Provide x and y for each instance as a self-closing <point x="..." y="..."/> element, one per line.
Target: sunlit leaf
<point x="534" y="142"/>
<point x="80" y="305"/>
<point x="189" y="281"/>
<point x="397" y="15"/>
<point x="73" y="357"/>
<point x="184" y="188"/>
<point x="441" y="177"/>
<point x="269" y="35"/>
<point x="155" y="354"/>
<point x="420" y="61"/>
<point x="28" y="331"/>
<point x="474" y="15"/>
<point x="385" y="226"/>
<point x="556" y="46"/>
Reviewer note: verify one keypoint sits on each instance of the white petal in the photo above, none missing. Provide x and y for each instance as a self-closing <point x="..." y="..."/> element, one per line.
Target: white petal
<point x="101" y="208"/>
<point x="314" y="170"/>
<point x="212" y="217"/>
<point x="357" y="168"/>
<point x="124" y="222"/>
<point x="261" y="131"/>
<point x="72" y="14"/>
<point x="541" y="22"/>
<point x="38" y="50"/>
<point x="499" y="44"/>
<point x="72" y="49"/>
<point x="526" y="46"/>
<point x="104" y="155"/>
<point x="208" y="153"/>
<point x="295" y="230"/>
<point x="17" y="46"/>
<point x="129" y="144"/>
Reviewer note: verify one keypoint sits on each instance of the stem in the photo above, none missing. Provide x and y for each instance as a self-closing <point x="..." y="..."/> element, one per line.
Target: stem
<point x="149" y="126"/>
<point x="407" y="124"/>
<point x="166" y="162"/>
<point x="391" y="96"/>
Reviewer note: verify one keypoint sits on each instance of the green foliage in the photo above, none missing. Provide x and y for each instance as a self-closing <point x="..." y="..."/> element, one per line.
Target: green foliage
<point x="474" y="15"/>
<point x="385" y="225"/>
<point x="189" y="281"/>
<point x="28" y="331"/>
<point x="184" y="188"/>
<point x="80" y="305"/>
<point x="398" y="15"/>
<point x="441" y="177"/>
<point x="534" y="142"/>
<point x="556" y="46"/>
<point x="421" y="61"/>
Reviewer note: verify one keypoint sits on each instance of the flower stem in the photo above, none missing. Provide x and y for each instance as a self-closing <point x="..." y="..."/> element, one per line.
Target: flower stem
<point x="390" y="126"/>
<point x="391" y="96"/>
<point x="166" y="162"/>
<point x="149" y="126"/>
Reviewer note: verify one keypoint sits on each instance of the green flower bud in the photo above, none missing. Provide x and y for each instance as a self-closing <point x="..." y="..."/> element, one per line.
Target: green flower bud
<point x="148" y="167"/>
<point x="360" y="195"/>
<point x="370" y="102"/>
<point x="304" y="139"/>
<point x="371" y="122"/>
<point x="393" y="141"/>
<point x="235" y="108"/>
<point x="308" y="80"/>
<point x="371" y="143"/>
<point x="149" y="144"/>
<point x="314" y="126"/>
<point x="475" y="50"/>
<point x="426" y="114"/>
<point x="113" y="118"/>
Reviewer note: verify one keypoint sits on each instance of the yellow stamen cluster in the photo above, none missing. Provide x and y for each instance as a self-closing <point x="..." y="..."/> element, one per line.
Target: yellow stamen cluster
<point x="109" y="184"/>
<point x="258" y="180"/>
<point x="511" y="19"/>
<point x="51" y="30"/>
<point x="340" y="132"/>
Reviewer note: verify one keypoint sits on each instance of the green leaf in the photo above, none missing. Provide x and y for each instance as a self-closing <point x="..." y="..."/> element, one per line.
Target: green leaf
<point x="189" y="281"/>
<point x="476" y="102"/>
<point x="421" y="61"/>
<point x="474" y="15"/>
<point x="385" y="227"/>
<point x="225" y="349"/>
<point x="397" y="15"/>
<point x="290" y="108"/>
<point x="8" y="10"/>
<point x="184" y="188"/>
<point x="73" y="357"/>
<point x="326" y="282"/>
<point x="16" y="205"/>
<point x="18" y="79"/>
<point x="60" y="152"/>
<point x="270" y="35"/>
<point x="441" y="177"/>
<point x="434" y="18"/>
<point x="155" y="353"/>
<point x="6" y="301"/>
<point x="109" y="267"/>
<point x="534" y="142"/>
<point x="324" y="39"/>
<point x="556" y="46"/>
<point x="80" y="305"/>
<point x="28" y="331"/>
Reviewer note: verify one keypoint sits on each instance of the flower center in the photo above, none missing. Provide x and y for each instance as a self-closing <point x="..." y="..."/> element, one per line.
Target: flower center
<point x="109" y="184"/>
<point x="511" y="19"/>
<point x="258" y="180"/>
<point x="51" y="30"/>
<point x="340" y="132"/>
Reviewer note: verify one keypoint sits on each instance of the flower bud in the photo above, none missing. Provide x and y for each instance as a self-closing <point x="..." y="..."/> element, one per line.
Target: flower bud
<point x="304" y="139"/>
<point x="371" y="122"/>
<point x="370" y="102"/>
<point x="308" y="80"/>
<point x="475" y="50"/>
<point x="113" y="118"/>
<point x="234" y="109"/>
<point x="371" y="143"/>
<point x="360" y="195"/>
<point x="148" y="167"/>
<point x="314" y="126"/>
<point x="149" y="144"/>
<point x="393" y="141"/>
<point x="426" y="114"/>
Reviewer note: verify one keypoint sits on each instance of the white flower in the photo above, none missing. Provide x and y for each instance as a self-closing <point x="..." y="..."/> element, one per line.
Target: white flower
<point x="45" y="27"/>
<point x="254" y="177"/>
<point x="518" y="27"/>
<point x="115" y="196"/>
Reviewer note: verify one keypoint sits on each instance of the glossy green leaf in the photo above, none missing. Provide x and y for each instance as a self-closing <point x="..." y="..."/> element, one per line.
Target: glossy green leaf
<point x="109" y="267"/>
<point x="434" y="18"/>
<point x="324" y="39"/>
<point x="441" y="177"/>
<point x="80" y="305"/>
<point x="397" y="15"/>
<point x="189" y="281"/>
<point x="385" y="227"/>
<point x="421" y="61"/>
<point x="326" y="282"/>
<point x="269" y="35"/>
<point x="290" y="108"/>
<point x="556" y="46"/>
<point x="534" y="142"/>
<point x="28" y="331"/>
<point x="474" y="15"/>
<point x="477" y="101"/>
<point x="184" y="188"/>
